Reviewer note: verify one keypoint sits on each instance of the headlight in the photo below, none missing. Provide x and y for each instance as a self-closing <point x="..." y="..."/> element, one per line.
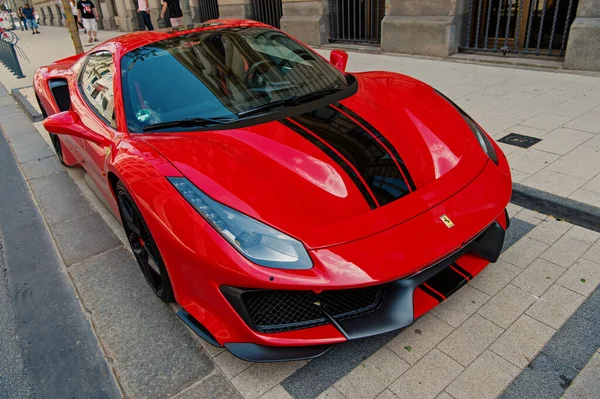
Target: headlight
<point x="482" y="138"/>
<point x="258" y="242"/>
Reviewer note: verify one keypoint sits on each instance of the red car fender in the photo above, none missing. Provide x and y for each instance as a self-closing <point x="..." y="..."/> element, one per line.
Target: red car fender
<point x="131" y="161"/>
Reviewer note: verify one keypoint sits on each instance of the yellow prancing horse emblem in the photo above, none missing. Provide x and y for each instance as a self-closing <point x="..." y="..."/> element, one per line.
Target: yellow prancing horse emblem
<point x="447" y="221"/>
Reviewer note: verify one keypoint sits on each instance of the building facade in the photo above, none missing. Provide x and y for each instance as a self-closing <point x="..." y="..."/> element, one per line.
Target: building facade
<point x="558" y="29"/>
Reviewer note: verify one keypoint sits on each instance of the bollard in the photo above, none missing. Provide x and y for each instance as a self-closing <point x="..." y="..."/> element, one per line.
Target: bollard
<point x="8" y="56"/>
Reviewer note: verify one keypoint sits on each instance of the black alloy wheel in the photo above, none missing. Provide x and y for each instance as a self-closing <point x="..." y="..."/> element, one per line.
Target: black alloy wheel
<point x="143" y="246"/>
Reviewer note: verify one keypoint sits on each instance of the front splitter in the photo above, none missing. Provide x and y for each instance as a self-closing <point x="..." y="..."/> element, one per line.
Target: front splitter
<point x="395" y="313"/>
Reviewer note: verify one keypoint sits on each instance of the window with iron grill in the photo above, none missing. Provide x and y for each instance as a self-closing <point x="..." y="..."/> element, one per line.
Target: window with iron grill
<point x="267" y="11"/>
<point x="356" y="21"/>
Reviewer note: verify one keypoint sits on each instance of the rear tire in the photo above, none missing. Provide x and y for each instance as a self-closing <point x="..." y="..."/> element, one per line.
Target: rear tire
<point x="143" y="246"/>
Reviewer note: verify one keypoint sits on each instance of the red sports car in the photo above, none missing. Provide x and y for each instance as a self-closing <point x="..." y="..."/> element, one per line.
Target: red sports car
<point x="285" y="204"/>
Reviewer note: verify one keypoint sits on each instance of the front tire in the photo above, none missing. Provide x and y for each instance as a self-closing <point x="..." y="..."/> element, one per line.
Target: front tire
<point x="57" y="148"/>
<point x="143" y="246"/>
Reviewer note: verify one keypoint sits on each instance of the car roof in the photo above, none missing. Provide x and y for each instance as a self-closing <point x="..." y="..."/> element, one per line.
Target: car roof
<point x="128" y="42"/>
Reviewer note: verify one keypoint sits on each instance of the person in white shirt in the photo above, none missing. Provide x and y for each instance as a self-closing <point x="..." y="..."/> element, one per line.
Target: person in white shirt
<point x="145" y="11"/>
<point x="74" y="11"/>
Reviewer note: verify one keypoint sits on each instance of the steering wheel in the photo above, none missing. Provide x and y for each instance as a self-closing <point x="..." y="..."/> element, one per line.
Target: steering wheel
<point x="304" y="55"/>
<point x="251" y="74"/>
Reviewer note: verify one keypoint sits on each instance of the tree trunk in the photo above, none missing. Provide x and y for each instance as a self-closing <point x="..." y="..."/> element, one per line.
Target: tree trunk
<point x="72" y="25"/>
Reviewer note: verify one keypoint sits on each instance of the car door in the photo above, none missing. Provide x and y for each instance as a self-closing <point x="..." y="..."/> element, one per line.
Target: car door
<point x="96" y="96"/>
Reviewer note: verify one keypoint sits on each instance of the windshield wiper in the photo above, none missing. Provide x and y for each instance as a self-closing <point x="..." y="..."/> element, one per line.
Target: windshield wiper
<point x="317" y="94"/>
<point x="268" y="106"/>
<point x="189" y="122"/>
<point x="289" y="101"/>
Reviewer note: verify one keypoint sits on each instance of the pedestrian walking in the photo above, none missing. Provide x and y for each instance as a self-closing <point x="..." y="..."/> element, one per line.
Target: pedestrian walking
<point x="28" y="13"/>
<point x="145" y="11"/>
<point x="74" y="12"/>
<point x="88" y="16"/>
<point x="22" y="19"/>
<point x="176" y="15"/>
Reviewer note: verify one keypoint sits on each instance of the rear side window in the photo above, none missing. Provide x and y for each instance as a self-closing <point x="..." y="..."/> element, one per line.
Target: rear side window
<point x="96" y="81"/>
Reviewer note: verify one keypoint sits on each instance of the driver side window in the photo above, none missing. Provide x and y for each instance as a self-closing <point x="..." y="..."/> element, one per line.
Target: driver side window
<point x="96" y="82"/>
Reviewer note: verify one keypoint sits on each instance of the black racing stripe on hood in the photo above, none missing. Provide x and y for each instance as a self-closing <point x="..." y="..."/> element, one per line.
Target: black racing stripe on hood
<point x="384" y="140"/>
<point x="361" y="148"/>
<point x="369" y="197"/>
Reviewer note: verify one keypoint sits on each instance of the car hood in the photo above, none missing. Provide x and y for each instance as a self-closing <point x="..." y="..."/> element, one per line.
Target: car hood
<point x="297" y="174"/>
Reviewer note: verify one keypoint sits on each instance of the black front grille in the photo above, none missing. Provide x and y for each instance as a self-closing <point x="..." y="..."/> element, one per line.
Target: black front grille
<point x="279" y="311"/>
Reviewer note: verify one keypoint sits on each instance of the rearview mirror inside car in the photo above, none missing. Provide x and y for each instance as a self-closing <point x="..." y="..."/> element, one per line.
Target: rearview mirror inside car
<point x="339" y="59"/>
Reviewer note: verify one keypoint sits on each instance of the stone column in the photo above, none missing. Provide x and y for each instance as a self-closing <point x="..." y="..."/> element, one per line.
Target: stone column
<point x="423" y="27"/>
<point x="235" y="9"/>
<point x="195" y="11"/>
<point x="121" y="20"/>
<point x="306" y="20"/>
<point x="155" y="9"/>
<point x="100" y="14"/>
<point x="108" y="15"/>
<point x="120" y="11"/>
<point x="131" y="15"/>
<point x="127" y="19"/>
<point x="187" y="14"/>
<point x="583" y="45"/>
<point x="49" y="15"/>
<point x="42" y="16"/>
<point x="58" y="19"/>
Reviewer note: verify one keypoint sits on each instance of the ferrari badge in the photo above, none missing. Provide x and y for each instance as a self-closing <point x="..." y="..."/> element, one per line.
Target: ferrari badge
<point x="449" y="224"/>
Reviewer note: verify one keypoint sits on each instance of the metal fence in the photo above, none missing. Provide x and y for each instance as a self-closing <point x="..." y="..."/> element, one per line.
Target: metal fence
<point x="356" y="21"/>
<point x="267" y="11"/>
<point x="209" y="9"/>
<point x="8" y="57"/>
<point x="539" y="27"/>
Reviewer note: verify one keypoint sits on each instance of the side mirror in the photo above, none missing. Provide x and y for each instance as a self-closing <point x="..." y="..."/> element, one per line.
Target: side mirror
<point x="339" y="59"/>
<point x="69" y="123"/>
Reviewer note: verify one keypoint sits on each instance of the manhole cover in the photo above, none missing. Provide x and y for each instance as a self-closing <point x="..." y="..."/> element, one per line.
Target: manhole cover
<point x="519" y="140"/>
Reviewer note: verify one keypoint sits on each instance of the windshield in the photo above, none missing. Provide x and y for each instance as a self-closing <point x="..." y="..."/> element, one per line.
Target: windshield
<point x="219" y="74"/>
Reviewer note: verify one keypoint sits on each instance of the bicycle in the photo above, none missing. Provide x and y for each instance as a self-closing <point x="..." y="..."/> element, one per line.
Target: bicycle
<point x="9" y="36"/>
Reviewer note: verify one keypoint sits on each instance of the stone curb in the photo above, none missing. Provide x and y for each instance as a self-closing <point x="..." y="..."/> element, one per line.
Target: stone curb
<point x="29" y="110"/>
<point x="572" y="211"/>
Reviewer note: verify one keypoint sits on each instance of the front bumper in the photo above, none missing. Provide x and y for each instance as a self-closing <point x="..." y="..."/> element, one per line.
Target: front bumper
<point x="397" y="309"/>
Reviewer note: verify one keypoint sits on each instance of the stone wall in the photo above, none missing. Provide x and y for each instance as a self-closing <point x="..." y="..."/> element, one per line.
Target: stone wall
<point x="307" y="20"/>
<point x="583" y="47"/>
<point x="234" y="9"/>
<point x="423" y="27"/>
